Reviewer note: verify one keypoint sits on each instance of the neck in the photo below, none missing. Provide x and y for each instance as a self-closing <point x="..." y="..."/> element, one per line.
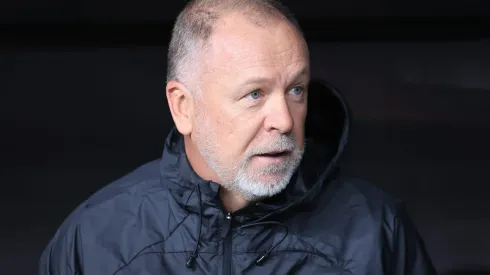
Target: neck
<point x="231" y="201"/>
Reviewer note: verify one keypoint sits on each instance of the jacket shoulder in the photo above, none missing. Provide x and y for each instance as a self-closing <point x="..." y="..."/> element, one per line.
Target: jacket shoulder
<point x="363" y="210"/>
<point x="99" y="222"/>
<point x="136" y="184"/>
<point x="121" y="194"/>
<point x="365" y="193"/>
<point x="353" y="202"/>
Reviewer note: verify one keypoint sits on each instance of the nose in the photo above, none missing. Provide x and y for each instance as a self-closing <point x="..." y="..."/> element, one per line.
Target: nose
<point x="279" y="117"/>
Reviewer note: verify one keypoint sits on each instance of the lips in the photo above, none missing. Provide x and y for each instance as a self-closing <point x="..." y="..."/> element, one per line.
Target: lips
<point x="275" y="154"/>
<point x="272" y="158"/>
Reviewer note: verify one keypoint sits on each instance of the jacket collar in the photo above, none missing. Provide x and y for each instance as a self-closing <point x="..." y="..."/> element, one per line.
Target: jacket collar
<point x="179" y="177"/>
<point x="182" y="183"/>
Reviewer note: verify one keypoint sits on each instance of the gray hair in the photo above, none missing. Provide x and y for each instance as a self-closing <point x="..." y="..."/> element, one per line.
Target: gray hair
<point x="196" y="22"/>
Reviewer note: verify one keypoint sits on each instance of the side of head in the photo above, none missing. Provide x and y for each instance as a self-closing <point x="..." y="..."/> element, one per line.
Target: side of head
<point x="237" y="90"/>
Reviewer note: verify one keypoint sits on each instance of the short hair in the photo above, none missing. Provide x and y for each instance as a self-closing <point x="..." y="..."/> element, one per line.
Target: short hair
<point x="196" y="22"/>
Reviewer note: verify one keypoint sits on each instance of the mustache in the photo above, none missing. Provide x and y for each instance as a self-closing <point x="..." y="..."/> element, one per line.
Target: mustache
<point x="281" y="144"/>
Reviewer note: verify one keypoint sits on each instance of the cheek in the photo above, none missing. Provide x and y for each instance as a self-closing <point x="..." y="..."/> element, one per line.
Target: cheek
<point x="242" y="130"/>
<point x="229" y="133"/>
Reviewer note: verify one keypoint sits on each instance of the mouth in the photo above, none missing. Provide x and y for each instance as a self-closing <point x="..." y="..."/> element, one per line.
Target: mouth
<point x="272" y="158"/>
<point x="275" y="154"/>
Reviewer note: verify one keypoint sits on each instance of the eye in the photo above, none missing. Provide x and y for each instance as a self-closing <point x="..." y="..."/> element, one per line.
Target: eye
<point x="297" y="90"/>
<point x="254" y="94"/>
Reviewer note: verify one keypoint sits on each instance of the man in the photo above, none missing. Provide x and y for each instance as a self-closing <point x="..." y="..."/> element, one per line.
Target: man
<point x="238" y="189"/>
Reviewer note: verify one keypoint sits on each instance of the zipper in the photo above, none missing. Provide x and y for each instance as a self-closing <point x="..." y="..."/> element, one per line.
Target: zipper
<point x="227" y="247"/>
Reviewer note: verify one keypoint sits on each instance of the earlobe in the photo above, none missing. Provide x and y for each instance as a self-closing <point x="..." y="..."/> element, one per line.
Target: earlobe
<point x="180" y="105"/>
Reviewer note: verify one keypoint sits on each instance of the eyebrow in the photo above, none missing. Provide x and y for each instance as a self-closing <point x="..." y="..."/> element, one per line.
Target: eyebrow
<point x="263" y="79"/>
<point x="302" y="72"/>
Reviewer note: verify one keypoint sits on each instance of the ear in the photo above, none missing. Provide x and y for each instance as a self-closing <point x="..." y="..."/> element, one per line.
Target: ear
<point x="181" y="104"/>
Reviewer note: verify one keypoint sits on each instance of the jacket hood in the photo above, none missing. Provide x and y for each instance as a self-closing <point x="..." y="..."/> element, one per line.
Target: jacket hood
<point x="326" y="131"/>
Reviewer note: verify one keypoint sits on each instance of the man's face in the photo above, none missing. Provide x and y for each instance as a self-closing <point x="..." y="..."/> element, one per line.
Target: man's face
<point x="249" y="126"/>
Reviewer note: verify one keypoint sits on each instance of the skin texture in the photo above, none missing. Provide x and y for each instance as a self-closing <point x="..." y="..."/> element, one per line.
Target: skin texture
<point x="253" y="83"/>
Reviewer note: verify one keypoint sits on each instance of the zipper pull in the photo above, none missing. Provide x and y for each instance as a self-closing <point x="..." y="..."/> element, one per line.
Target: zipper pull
<point x="228" y="216"/>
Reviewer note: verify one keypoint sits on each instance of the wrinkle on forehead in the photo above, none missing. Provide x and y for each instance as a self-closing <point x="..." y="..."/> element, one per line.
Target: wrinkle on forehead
<point x="228" y="58"/>
<point x="235" y="49"/>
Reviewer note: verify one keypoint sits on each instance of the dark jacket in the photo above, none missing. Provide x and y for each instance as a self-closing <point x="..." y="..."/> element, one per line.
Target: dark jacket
<point x="164" y="219"/>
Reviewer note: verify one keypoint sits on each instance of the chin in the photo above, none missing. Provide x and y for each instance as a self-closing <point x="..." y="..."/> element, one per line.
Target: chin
<point x="262" y="185"/>
<point x="271" y="179"/>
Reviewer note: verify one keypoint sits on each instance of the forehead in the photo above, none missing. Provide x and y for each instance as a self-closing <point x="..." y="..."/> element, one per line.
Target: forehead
<point x="240" y="49"/>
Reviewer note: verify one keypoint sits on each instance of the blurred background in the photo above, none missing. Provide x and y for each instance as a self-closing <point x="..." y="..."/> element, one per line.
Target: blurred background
<point x="83" y="103"/>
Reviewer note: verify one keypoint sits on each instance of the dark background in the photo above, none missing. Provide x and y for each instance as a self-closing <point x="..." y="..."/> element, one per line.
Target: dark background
<point x="82" y="103"/>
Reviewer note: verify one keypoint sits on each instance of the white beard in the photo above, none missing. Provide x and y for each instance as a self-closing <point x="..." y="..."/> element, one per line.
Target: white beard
<point x="255" y="184"/>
